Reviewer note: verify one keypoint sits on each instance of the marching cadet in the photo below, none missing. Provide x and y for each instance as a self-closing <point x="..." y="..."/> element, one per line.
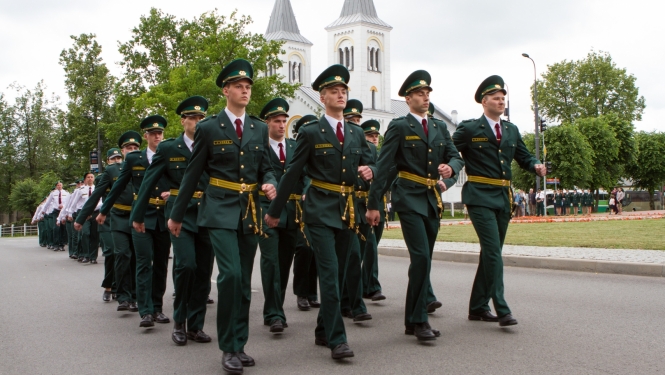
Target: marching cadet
<point x="64" y="219"/>
<point x="192" y="250"/>
<point x="37" y="218"/>
<point x="369" y="247"/>
<point x="123" y="246"/>
<point x="55" y="203"/>
<point x="335" y="153"/>
<point x="88" y="243"/>
<point x="353" y="112"/>
<point x="153" y="246"/>
<point x="232" y="148"/>
<point x="304" y="264"/>
<point x="113" y="156"/>
<point x="421" y="150"/>
<point x="278" y="245"/>
<point x="488" y="146"/>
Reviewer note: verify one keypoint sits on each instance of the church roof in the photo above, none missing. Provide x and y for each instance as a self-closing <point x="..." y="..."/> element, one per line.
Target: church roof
<point x="313" y="95"/>
<point x="358" y="11"/>
<point x="283" y="25"/>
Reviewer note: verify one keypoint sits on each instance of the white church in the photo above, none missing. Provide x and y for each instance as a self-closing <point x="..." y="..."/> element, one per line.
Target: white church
<point x="359" y="40"/>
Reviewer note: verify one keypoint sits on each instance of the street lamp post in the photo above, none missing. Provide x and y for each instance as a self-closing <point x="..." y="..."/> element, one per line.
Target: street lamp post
<point x="535" y="107"/>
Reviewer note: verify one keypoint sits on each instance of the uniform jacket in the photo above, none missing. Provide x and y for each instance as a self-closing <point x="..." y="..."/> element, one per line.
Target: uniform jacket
<point x="133" y="170"/>
<point x="406" y="147"/>
<point x="484" y="157"/>
<point x="219" y="153"/>
<point x="287" y="219"/>
<point x="327" y="160"/>
<point x="170" y="161"/>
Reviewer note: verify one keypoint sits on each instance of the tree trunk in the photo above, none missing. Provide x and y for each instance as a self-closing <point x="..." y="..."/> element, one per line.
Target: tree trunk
<point x="652" y="203"/>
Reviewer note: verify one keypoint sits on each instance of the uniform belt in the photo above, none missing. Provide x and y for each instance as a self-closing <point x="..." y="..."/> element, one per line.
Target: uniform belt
<point x="430" y="183"/>
<point x="362" y="194"/>
<point x="242" y="188"/>
<point x="344" y="190"/>
<point x="122" y="207"/>
<point x="489" y="181"/>
<point x="154" y="201"/>
<point x="493" y="182"/>
<point x="196" y="195"/>
<point x="292" y="197"/>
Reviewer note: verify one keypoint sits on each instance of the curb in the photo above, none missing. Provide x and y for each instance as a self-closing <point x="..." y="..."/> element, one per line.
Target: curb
<point x="577" y="265"/>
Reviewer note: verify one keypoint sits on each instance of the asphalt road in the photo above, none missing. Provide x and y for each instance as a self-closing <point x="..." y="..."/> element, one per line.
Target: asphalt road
<point x="53" y="321"/>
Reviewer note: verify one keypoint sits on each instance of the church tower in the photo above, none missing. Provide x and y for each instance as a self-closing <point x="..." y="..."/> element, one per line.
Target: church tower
<point x="297" y="59"/>
<point x="360" y="40"/>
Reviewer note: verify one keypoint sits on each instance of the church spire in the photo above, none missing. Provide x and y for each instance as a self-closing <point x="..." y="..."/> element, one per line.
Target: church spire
<point x="358" y="11"/>
<point x="283" y="25"/>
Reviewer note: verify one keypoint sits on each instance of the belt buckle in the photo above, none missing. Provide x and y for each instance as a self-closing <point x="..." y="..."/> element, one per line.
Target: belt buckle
<point x="503" y="183"/>
<point x="243" y="187"/>
<point x="429" y="183"/>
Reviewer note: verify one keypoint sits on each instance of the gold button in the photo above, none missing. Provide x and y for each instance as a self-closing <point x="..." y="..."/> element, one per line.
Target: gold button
<point x="343" y="157"/>
<point x="430" y="163"/>
<point x="343" y="170"/>
<point x="222" y="148"/>
<point x="242" y="166"/>
<point x="156" y="187"/>
<point x="242" y="153"/>
<point x="325" y="152"/>
<point x="242" y="179"/>
<point x="199" y="203"/>
<point x="480" y="147"/>
<point x="177" y="166"/>
<point x="429" y="175"/>
<point x="501" y="161"/>
<point x="499" y="150"/>
<point x="250" y="225"/>
<point x="504" y="172"/>
<point x="430" y="150"/>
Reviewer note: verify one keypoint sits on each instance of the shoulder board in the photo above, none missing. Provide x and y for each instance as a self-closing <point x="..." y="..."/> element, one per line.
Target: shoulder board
<point x="507" y="123"/>
<point x="208" y="119"/>
<point x="309" y="123"/>
<point x="256" y="118"/>
<point x="438" y="121"/>
<point x="469" y="120"/>
<point x="168" y="140"/>
<point x="353" y="124"/>
<point x="399" y="118"/>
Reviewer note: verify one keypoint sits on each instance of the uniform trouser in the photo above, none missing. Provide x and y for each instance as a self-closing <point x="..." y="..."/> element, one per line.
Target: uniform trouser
<point x="192" y="258"/>
<point x="277" y="253"/>
<point x="331" y="246"/>
<point x="234" y="252"/>
<point x="59" y="231"/>
<point x="152" y="262"/>
<point x="48" y="229"/>
<point x="77" y="240"/>
<point x="491" y="226"/>
<point x="350" y="276"/>
<point x="563" y="209"/>
<point x="42" y="233"/>
<point x="541" y="208"/>
<point x="109" y="261"/>
<point x="304" y="269"/>
<point x="125" y="266"/>
<point x="69" y="227"/>
<point x="419" y="234"/>
<point x="370" y="256"/>
<point x="90" y="238"/>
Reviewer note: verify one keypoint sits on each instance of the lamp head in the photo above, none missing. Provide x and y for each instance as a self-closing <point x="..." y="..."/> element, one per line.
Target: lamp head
<point x="525" y="55"/>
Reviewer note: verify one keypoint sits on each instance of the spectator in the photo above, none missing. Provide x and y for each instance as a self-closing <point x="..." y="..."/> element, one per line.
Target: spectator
<point x="518" y="204"/>
<point x="532" y="203"/>
<point x="540" y="203"/>
<point x="612" y="205"/>
<point x="619" y="200"/>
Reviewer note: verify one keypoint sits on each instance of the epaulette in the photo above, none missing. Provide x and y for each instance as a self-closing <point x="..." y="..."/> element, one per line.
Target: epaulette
<point x="469" y="120"/>
<point x="168" y="140"/>
<point x="309" y="123"/>
<point x="256" y="118"/>
<point x="399" y="118"/>
<point x="353" y="124"/>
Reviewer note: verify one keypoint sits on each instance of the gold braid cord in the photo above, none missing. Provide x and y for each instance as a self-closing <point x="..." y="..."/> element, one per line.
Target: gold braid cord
<point x="346" y="191"/>
<point x="242" y="188"/>
<point x="385" y="210"/>
<point x="430" y="183"/>
<point x="299" y="220"/>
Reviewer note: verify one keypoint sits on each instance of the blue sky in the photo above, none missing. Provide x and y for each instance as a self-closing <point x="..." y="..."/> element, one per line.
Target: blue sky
<point x="458" y="42"/>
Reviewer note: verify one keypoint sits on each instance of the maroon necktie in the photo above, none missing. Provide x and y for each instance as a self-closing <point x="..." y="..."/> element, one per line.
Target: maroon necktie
<point x="60" y="197"/>
<point x="340" y="133"/>
<point x="89" y="191"/>
<point x="498" y="132"/>
<point x="282" y="158"/>
<point x="239" y="128"/>
<point x="425" y="128"/>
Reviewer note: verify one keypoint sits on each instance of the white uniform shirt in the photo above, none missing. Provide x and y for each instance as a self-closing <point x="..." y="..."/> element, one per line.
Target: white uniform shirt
<point x="52" y="200"/>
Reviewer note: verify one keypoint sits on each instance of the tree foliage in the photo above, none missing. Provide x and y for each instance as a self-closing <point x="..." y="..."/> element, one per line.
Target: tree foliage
<point x="522" y="179"/>
<point x="648" y="171"/>
<point x="605" y="168"/>
<point x="589" y="88"/>
<point x="571" y="156"/>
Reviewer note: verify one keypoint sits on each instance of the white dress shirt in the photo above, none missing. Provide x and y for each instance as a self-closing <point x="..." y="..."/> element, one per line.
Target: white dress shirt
<point x="188" y="142"/>
<point x="333" y="123"/>
<point x="493" y="126"/>
<point x="233" y="118"/>
<point x="275" y="146"/>
<point x="150" y="154"/>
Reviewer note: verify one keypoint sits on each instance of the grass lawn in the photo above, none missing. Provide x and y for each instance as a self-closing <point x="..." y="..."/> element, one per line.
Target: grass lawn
<point x="615" y="234"/>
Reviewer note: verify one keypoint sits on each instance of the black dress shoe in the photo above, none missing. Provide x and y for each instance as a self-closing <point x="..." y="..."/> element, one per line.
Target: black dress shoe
<point x="314" y="303"/>
<point x="231" y="363"/>
<point x="377" y="296"/>
<point x="423" y="332"/>
<point x="93" y="261"/>
<point x="123" y="306"/>
<point x="71" y="257"/>
<point x="106" y="297"/>
<point x="276" y="326"/>
<point x="80" y="259"/>
<point x="303" y="304"/>
<point x="62" y="248"/>
<point x="246" y="360"/>
<point x="485" y="316"/>
<point x="161" y="318"/>
<point x="114" y="296"/>
<point x="342" y="351"/>
<point x="210" y="301"/>
<point x="198" y="336"/>
<point x="85" y="260"/>
<point x="347" y="314"/>
<point x="362" y="317"/>
<point x="320" y="341"/>
<point x="408" y="330"/>
<point x="507" y="320"/>
<point x="133" y="307"/>
<point x="432" y="306"/>
<point x="147" y="321"/>
<point x="179" y="335"/>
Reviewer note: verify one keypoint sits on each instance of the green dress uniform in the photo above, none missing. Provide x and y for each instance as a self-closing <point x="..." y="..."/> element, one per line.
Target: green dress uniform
<point x="557" y="202"/>
<point x="575" y="200"/>
<point x="192" y="250"/>
<point x="238" y="164"/>
<point x="124" y="256"/>
<point x="105" y="235"/>
<point x="328" y="210"/>
<point x="304" y="263"/>
<point x="488" y="195"/>
<point x="152" y="247"/>
<point x="565" y="203"/>
<point x="415" y="148"/>
<point x="278" y="244"/>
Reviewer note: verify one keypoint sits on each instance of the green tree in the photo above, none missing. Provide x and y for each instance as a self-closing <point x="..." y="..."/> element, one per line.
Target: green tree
<point x="522" y="179"/>
<point x="8" y="168"/>
<point x="589" y="88"/>
<point x="570" y="154"/>
<point x="168" y="59"/>
<point x="606" y="168"/>
<point x="25" y="196"/>
<point x="89" y="86"/>
<point x="648" y="171"/>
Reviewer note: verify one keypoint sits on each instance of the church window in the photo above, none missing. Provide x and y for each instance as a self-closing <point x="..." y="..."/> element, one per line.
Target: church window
<point x="376" y="60"/>
<point x="341" y="56"/>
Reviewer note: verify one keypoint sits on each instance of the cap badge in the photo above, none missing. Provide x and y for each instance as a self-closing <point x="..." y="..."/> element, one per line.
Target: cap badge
<point x="497" y="86"/>
<point x="422" y="82"/>
<point x="132" y="140"/>
<point x="338" y="78"/>
<point x="354" y="110"/>
<point x="280" y="108"/>
<point x="196" y="107"/>
<point x="155" y="125"/>
<point x="242" y="73"/>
